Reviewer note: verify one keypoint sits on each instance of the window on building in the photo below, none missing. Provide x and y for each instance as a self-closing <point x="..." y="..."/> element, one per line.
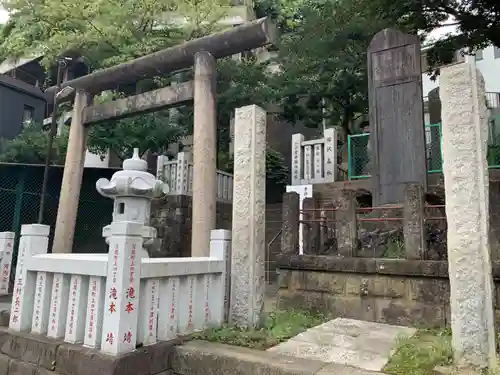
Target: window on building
<point x="496" y="52"/>
<point x="478" y="54"/>
<point x="28" y="114"/>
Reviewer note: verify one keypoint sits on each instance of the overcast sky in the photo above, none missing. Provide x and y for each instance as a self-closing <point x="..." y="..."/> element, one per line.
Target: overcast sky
<point x="3" y="16"/>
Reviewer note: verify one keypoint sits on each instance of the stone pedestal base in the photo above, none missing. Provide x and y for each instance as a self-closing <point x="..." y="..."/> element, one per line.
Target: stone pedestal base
<point x="24" y="353"/>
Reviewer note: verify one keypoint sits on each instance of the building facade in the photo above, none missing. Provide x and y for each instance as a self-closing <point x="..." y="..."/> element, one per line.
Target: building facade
<point x="20" y="103"/>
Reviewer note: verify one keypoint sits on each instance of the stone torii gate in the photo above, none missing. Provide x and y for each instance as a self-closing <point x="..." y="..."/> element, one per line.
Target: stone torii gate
<point x="201" y="53"/>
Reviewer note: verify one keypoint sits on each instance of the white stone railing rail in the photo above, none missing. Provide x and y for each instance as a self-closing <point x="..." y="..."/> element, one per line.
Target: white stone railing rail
<point x="115" y="301"/>
<point x="314" y="161"/>
<point x="178" y="174"/>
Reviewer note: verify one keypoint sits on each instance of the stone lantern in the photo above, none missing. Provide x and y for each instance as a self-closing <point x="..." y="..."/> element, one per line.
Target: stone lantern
<point x="132" y="189"/>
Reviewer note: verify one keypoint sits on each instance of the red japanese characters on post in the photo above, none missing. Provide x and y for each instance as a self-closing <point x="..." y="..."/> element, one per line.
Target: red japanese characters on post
<point x="110" y="338"/>
<point x="38" y="300"/>
<point x="129" y="307"/>
<point x="152" y="311"/>
<point x="115" y="263"/>
<point x="57" y="283"/>
<point x="92" y="309"/>
<point x="74" y="289"/>
<point x="133" y="257"/>
<point x="207" y="309"/>
<point x="131" y="293"/>
<point x="190" y="306"/>
<point x="113" y="293"/>
<point x="127" y="337"/>
<point x="173" y="305"/>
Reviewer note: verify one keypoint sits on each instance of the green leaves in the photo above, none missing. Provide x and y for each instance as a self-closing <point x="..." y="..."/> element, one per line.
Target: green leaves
<point x="105" y="32"/>
<point x="30" y="146"/>
<point x="152" y="132"/>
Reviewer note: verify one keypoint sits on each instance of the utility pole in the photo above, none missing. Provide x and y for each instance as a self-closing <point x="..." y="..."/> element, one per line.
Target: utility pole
<point x="61" y="67"/>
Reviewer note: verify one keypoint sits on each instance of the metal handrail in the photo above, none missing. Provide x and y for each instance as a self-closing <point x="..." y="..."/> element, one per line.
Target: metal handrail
<point x="269" y="251"/>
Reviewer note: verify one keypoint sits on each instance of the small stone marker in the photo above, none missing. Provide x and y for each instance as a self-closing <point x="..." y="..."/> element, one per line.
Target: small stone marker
<point x="304" y="191"/>
<point x="465" y="133"/>
<point x="249" y="200"/>
<point x="397" y="137"/>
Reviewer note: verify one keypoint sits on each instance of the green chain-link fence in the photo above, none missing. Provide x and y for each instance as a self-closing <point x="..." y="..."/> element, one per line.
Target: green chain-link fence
<point x="358" y="152"/>
<point x="494" y="143"/>
<point x="433" y="148"/>
<point x="357" y="156"/>
<point x="20" y="189"/>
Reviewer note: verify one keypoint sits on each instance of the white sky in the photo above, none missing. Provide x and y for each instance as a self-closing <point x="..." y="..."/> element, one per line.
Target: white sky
<point x="4" y="16"/>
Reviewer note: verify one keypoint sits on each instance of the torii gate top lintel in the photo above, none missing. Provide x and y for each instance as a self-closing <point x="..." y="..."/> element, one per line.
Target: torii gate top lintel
<point x="245" y="37"/>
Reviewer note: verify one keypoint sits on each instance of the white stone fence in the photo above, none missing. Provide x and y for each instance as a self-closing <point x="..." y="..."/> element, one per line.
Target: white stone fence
<point x="314" y="161"/>
<point x="6" y="246"/>
<point x="116" y="301"/>
<point x="178" y="174"/>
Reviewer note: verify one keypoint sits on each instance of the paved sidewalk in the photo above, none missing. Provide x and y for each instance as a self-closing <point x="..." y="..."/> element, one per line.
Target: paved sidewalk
<point x="365" y="345"/>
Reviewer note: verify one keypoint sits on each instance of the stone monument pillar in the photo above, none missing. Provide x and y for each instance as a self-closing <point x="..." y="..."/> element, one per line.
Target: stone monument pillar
<point x="204" y="154"/>
<point x="397" y="139"/>
<point x="465" y="169"/>
<point x="132" y="189"/>
<point x="249" y="204"/>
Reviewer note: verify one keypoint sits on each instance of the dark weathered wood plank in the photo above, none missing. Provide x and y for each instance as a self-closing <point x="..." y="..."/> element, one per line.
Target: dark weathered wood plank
<point x="142" y="103"/>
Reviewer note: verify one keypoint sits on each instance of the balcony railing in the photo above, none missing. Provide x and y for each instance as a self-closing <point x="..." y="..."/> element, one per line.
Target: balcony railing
<point x="493" y="100"/>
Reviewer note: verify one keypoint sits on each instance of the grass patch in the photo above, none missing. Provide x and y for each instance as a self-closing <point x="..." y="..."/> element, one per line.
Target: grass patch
<point x="278" y="326"/>
<point x="395" y="249"/>
<point x="419" y="354"/>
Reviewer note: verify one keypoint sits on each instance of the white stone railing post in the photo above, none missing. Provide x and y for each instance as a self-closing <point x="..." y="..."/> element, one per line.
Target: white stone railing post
<point x="148" y="313"/>
<point x="95" y="312"/>
<point x="6" y="246"/>
<point x="220" y="248"/>
<point x="121" y="310"/>
<point x="34" y="240"/>
<point x="183" y="160"/>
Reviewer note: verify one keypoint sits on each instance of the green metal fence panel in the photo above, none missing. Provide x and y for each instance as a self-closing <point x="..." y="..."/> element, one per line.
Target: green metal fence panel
<point x="358" y="154"/>
<point x="358" y="158"/>
<point x="433" y="148"/>
<point x="20" y="189"/>
<point x="494" y="143"/>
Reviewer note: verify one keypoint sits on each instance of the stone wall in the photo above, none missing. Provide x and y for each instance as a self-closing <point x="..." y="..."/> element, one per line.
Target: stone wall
<point x="394" y="291"/>
<point x="172" y="218"/>
<point x="172" y="215"/>
<point x="26" y="354"/>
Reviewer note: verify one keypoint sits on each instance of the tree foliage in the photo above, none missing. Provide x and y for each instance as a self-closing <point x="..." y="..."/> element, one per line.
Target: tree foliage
<point x="323" y="64"/>
<point x="152" y="132"/>
<point x="30" y="146"/>
<point x="105" y="32"/>
<point x="477" y="22"/>
<point x="277" y="173"/>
